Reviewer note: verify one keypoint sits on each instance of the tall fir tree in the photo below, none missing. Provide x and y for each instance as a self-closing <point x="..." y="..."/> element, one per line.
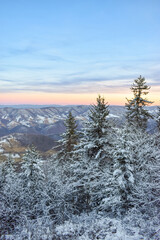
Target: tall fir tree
<point x="120" y="183"/>
<point x="135" y="175"/>
<point x="136" y="113"/>
<point x="61" y="171"/>
<point x="69" y="138"/>
<point x="158" y="119"/>
<point x="93" y="156"/>
<point x="97" y="132"/>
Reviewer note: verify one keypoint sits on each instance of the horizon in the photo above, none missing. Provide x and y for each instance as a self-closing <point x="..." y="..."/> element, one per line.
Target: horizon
<point x="67" y="52"/>
<point x="61" y="105"/>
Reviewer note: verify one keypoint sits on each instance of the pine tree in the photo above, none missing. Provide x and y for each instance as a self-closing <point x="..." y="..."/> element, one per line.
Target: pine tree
<point x="120" y="183"/>
<point x="97" y="132"/>
<point x="136" y="114"/>
<point x="61" y="202"/>
<point x="33" y="195"/>
<point x="134" y="182"/>
<point x="93" y="156"/>
<point x="69" y="139"/>
<point x="10" y="212"/>
<point x="158" y="119"/>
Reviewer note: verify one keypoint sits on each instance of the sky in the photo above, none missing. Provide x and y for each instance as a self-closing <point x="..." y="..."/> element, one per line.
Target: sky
<point x="68" y="51"/>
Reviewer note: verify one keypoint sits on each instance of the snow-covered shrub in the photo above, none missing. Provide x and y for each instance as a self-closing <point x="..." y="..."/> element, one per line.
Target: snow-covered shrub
<point x="94" y="226"/>
<point x="134" y="181"/>
<point x="33" y="185"/>
<point x="10" y="211"/>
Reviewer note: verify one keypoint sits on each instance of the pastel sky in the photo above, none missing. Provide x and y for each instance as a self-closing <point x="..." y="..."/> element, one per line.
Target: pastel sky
<point x="68" y="51"/>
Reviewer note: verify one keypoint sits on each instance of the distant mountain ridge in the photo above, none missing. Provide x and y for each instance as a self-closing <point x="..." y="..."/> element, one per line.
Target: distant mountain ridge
<point x="42" y="126"/>
<point x="44" y="120"/>
<point x="49" y="120"/>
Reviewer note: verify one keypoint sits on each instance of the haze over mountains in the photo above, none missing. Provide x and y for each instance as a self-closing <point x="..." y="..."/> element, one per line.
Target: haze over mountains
<point x="23" y="125"/>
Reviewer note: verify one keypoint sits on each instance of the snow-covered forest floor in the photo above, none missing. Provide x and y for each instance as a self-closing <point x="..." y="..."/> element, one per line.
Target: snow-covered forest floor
<point x="91" y="226"/>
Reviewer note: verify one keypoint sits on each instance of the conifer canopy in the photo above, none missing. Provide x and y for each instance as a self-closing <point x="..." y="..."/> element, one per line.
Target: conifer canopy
<point x="137" y="114"/>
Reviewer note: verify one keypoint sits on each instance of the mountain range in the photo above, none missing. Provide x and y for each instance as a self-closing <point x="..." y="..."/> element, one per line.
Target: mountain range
<point x="21" y="126"/>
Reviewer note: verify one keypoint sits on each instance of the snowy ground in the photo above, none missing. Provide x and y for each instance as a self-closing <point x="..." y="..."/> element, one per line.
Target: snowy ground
<point x="90" y="227"/>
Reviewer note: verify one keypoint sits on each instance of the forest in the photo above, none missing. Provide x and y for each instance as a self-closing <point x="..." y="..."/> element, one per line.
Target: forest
<point x="103" y="182"/>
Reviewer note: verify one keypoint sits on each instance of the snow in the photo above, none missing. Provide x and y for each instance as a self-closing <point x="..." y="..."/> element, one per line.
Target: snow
<point x="50" y="120"/>
<point x="104" y="190"/>
<point x="18" y="118"/>
<point x="15" y="155"/>
<point x="41" y="119"/>
<point x="3" y="141"/>
<point x="6" y="154"/>
<point x="5" y="116"/>
<point x="25" y="123"/>
<point x="92" y="226"/>
<point x="112" y="115"/>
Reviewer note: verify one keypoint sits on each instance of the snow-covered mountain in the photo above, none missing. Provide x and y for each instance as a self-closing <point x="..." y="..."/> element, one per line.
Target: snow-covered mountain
<point x="47" y="121"/>
<point x="42" y="126"/>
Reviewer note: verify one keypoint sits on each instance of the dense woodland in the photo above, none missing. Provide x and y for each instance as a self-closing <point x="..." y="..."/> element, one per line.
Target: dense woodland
<point x="103" y="183"/>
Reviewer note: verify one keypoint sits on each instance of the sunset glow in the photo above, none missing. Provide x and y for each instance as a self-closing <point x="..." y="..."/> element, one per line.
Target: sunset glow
<point x="71" y="99"/>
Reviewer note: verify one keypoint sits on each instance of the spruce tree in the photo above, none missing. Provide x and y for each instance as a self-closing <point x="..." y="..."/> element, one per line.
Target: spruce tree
<point x="158" y="119"/>
<point x="61" y="172"/>
<point x="134" y="182"/>
<point x="33" y="197"/>
<point x="136" y="114"/>
<point x="120" y="183"/>
<point x="93" y="156"/>
<point x="69" y="138"/>
<point x="98" y="131"/>
<point x="10" y="212"/>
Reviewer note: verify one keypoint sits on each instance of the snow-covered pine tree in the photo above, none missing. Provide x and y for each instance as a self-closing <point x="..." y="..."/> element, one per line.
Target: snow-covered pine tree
<point x="69" y="139"/>
<point x="61" y="172"/>
<point x="136" y="113"/>
<point x="135" y="177"/>
<point x="10" y="212"/>
<point x="93" y="156"/>
<point x="98" y="131"/>
<point x="146" y="160"/>
<point x="158" y="119"/>
<point x="33" y="196"/>
<point x="120" y="183"/>
<point x="60" y="202"/>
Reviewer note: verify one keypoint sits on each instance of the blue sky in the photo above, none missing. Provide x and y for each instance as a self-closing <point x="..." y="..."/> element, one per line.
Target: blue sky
<point x="80" y="47"/>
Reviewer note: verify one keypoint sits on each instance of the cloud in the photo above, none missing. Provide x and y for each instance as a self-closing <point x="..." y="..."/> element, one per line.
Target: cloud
<point x="6" y="80"/>
<point x="21" y="51"/>
<point x="53" y="58"/>
<point x="70" y="85"/>
<point x="85" y="79"/>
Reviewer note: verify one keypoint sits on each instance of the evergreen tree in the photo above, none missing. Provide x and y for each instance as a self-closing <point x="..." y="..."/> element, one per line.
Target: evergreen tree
<point x="69" y="139"/>
<point x="60" y="202"/>
<point x="146" y="159"/>
<point x="158" y="119"/>
<point x="134" y="180"/>
<point x="93" y="156"/>
<point x="10" y="212"/>
<point x="33" y="197"/>
<point x="136" y="113"/>
<point x="97" y="132"/>
<point x="61" y="199"/>
<point x="121" y="180"/>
